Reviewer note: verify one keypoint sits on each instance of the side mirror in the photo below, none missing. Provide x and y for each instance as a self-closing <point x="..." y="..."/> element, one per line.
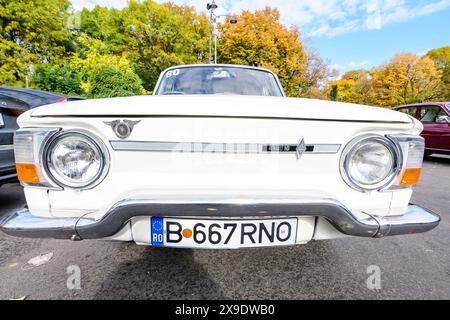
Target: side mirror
<point x="443" y="119"/>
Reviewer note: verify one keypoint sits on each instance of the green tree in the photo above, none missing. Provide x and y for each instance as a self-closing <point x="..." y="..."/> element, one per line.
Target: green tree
<point x="59" y="78"/>
<point x="334" y="92"/>
<point x="106" y="25"/>
<point x="108" y="82"/>
<point x="163" y="36"/>
<point x="151" y="36"/>
<point x="441" y="58"/>
<point x="31" y="32"/>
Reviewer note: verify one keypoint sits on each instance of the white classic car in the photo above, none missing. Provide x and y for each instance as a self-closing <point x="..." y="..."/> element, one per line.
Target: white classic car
<point x="220" y="158"/>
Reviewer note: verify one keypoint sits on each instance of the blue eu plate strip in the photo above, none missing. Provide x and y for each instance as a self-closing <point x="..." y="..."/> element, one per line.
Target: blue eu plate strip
<point x="157" y="231"/>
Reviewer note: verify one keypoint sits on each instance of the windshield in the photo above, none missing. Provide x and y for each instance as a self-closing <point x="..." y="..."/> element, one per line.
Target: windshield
<point x="219" y="80"/>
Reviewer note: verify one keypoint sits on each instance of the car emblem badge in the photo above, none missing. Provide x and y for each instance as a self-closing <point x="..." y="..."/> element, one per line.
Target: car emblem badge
<point x="122" y="128"/>
<point x="301" y="148"/>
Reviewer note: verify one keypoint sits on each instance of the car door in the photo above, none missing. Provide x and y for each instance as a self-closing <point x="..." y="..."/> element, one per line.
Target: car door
<point x="436" y="128"/>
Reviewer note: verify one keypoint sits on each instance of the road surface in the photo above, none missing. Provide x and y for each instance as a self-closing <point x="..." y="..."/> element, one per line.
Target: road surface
<point x="412" y="267"/>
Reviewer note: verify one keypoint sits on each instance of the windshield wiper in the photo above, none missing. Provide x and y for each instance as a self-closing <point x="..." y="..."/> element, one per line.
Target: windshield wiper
<point x="172" y="93"/>
<point x="227" y="93"/>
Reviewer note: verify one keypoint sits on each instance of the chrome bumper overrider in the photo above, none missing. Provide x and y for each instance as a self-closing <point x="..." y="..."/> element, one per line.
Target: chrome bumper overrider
<point x="22" y="223"/>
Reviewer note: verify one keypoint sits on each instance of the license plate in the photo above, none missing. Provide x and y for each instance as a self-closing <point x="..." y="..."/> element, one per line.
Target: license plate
<point x="2" y="123"/>
<point x="222" y="234"/>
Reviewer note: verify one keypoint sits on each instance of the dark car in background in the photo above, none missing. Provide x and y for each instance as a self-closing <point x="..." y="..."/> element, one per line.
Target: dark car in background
<point x="435" y="117"/>
<point x="14" y="102"/>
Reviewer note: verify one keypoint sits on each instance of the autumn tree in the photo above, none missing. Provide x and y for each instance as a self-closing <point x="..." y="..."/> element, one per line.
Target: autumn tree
<point x="353" y="87"/>
<point x="441" y="58"/>
<point x="317" y="75"/>
<point x="259" y="39"/>
<point x="407" y="78"/>
<point x="31" y="32"/>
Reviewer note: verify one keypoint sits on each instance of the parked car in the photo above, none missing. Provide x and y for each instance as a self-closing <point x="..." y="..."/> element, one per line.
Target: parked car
<point x="218" y="158"/>
<point x="14" y="102"/>
<point x="435" y="117"/>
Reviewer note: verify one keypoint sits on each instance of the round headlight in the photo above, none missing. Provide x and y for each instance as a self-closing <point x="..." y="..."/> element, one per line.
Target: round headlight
<point x="76" y="160"/>
<point x="370" y="163"/>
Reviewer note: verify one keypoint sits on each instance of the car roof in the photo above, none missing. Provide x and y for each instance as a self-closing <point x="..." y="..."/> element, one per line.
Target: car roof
<point x="218" y="65"/>
<point x="443" y="103"/>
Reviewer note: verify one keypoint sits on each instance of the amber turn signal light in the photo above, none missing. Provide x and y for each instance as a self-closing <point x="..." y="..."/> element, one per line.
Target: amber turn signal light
<point x="410" y="177"/>
<point x="27" y="173"/>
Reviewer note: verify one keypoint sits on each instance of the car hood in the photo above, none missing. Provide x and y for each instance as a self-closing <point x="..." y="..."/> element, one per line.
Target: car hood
<point x="221" y="106"/>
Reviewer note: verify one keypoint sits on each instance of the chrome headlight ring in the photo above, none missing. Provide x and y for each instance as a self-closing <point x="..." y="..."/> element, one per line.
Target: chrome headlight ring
<point x="95" y="142"/>
<point x="392" y="172"/>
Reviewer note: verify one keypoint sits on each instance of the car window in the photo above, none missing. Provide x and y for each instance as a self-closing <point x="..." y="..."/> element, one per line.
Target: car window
<point x="11" y="103"/>
<point x="431" y="113"/>
<point x="409" y="111"/>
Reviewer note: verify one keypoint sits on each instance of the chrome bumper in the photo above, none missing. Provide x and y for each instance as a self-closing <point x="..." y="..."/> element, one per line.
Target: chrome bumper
<point x="22" y="223"/>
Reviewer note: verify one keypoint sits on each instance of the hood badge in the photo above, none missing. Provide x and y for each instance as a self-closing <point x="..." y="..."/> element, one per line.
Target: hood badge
<point x="301" y="148"/>
<point x="122" y="128"/>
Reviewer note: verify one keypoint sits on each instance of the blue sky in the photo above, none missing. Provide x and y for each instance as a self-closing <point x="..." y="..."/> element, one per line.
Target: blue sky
<point x="348" y="34"/>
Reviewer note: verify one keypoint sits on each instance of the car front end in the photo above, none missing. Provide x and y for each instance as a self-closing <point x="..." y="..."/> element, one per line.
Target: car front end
<point x="217" y="158"/>
<point x="185" y="174"/>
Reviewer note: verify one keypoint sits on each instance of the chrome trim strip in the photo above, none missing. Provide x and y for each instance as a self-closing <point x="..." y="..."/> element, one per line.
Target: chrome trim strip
<point x="415" y="220"/>
<point x="8" y="147"/>
<point x="436" y="149"/>
<point x="22" y="223"/>
<point x="156" y="146"/>
<point x="8" y="178"/>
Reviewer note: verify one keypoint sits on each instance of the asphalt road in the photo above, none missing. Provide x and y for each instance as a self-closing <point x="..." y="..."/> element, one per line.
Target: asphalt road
<point x="412" y="267"/>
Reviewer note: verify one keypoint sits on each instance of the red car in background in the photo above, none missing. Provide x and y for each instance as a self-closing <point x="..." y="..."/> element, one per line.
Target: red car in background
<point x="435" y="117"/>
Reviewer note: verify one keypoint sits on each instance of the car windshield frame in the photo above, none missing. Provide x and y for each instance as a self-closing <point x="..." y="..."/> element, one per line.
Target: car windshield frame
<point x="275" y="81"/>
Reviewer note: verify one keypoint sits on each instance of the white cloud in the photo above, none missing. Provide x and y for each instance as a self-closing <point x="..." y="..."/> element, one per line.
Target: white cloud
<point x="335" y="17"/>
<point x="380" y="13"/>
<point x="352" y="65"/>
<point x="316" y="18"/>
<point x="359" y="64"/>
<point x="332" y="31"/>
